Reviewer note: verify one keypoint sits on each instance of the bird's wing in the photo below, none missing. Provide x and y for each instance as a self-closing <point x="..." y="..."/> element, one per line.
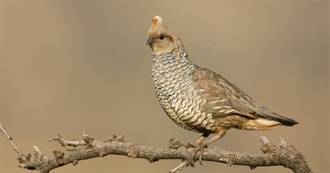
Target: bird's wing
<point x="267" y="114"/>
<point x="222" y="97"/>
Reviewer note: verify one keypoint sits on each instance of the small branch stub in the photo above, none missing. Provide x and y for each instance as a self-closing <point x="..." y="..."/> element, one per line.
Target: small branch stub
<point x="175" y="144"/>
<point x="117" y="138"/>
<point x="267" y="147"/>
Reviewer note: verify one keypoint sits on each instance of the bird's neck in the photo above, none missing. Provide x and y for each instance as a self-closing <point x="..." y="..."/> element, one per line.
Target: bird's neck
<point x="174" y="68"/>
<point x="172" y="61"/>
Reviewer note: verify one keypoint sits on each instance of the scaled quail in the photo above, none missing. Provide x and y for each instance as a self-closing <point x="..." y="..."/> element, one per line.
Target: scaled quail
<point x="198" y="99"/>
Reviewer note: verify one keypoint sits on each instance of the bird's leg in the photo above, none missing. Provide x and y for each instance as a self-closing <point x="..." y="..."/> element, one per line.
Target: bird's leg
<point x="201" y="145"/>
<point x="202" y="139"/>
<point x="199" y="141"/>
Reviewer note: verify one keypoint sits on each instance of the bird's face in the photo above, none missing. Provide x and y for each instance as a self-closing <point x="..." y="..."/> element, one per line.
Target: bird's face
<point x="161" y="40"/>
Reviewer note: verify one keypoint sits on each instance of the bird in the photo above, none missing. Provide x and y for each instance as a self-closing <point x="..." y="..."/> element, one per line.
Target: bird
<point x="198" y="99"/>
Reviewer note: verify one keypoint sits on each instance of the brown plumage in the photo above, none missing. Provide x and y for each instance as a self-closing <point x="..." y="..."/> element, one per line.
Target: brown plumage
<point x="198" y="99"/>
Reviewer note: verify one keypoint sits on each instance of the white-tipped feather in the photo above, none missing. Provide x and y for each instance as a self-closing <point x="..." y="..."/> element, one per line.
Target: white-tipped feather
<point x="156" y="21"/>
<point x="159" y="19"/>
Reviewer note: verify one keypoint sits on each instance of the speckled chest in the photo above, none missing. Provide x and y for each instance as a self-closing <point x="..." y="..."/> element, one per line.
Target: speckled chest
<point x="174" y="84"/>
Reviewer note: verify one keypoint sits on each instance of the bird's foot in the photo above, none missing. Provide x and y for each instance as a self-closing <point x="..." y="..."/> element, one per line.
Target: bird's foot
<point x="196" y="148"/>
<point x="200" y="149"/>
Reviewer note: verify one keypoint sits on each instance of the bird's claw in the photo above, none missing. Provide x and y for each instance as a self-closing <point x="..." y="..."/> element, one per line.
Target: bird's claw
<point x="200" y="149"/>
<point x="197" y="148"/>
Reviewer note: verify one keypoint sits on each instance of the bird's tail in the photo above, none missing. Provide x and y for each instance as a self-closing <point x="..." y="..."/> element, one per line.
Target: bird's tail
<point x="267" y="114"/>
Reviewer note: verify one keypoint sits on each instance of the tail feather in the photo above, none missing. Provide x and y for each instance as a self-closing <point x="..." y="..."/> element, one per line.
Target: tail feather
<point x="267" y="114"/>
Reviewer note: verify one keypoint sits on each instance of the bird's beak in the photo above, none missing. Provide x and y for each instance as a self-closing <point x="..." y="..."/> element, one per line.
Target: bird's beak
<point x="150" y="41"/>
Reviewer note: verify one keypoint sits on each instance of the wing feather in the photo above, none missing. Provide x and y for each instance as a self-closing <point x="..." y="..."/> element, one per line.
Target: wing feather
<point x="222" y="97"/>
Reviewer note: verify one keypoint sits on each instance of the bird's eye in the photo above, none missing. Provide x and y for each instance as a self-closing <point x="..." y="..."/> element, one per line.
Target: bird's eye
<point x="161" y="36"/>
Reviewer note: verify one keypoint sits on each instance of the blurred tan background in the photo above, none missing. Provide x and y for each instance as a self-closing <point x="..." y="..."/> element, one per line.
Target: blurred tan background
<point x="69" y="66"/>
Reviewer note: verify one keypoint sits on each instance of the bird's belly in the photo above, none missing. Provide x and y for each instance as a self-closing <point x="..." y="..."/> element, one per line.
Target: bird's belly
<point x="185" y="111"/>
<point x="180" y="100"/>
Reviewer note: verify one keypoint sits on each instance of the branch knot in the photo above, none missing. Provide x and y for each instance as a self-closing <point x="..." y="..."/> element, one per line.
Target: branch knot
<point x="133" y="151"/>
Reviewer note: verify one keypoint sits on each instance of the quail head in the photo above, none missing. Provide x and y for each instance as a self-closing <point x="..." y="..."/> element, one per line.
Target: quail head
<point x="198" y="99"/>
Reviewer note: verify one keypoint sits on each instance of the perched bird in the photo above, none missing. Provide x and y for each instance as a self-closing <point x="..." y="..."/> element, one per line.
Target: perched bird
<point x="198" y="99"/>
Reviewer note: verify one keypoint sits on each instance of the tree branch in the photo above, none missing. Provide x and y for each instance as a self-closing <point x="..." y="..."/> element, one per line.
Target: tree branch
<point x="285" y="155"/>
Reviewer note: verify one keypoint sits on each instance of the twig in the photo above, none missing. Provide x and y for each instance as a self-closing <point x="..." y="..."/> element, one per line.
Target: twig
<point x="22" y="159"/>
<point x="88" y="148"/>
<point x="179" y="167"/>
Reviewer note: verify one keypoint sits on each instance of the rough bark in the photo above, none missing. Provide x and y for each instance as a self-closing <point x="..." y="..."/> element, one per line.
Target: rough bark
<point x="285" y="155"/>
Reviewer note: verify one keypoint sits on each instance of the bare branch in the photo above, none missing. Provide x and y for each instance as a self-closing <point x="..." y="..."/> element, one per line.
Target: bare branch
<point x="10" y="139"/>
<point x="21" y="158"/>
<point x="88" y="148"/>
